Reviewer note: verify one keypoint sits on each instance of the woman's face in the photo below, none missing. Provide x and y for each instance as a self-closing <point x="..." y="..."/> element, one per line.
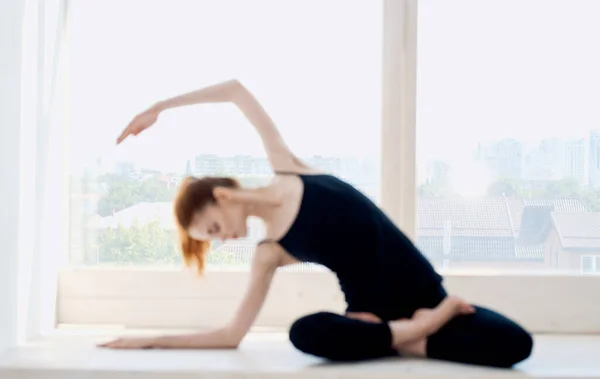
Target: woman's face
<point x="221" y="221"/>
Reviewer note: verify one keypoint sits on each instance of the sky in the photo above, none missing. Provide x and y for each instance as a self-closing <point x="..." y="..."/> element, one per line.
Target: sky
<point x="316" y="71"/>
<point x="524" y="69"/>
<point x="487" y="69"/>
<point x="495" y="69"/>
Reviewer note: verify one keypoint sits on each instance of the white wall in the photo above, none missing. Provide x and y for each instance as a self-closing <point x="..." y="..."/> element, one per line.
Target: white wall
<point x="11" y="14"/>
<point x="147" y="298"/>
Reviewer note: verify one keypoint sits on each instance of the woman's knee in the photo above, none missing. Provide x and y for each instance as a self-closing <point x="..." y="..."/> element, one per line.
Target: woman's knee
<point x="518" y="345"/>
<point x="485" y="338"/>
<point x="307" y="333"/>
<point x="339" y="338"/>
<point x="509" y="342"/>
<point x="514" y="343"/>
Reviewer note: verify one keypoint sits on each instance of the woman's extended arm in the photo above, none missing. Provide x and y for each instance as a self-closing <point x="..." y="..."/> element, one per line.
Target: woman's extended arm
<point x="280" y="156"/>
<point x="266" y="261"/>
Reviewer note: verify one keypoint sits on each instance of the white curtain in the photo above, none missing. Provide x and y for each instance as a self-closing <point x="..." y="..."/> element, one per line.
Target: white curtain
<point x="43" y="208"/>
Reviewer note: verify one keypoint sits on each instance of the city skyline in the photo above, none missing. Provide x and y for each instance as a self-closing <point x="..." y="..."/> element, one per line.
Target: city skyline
<point x="546" y="160"/>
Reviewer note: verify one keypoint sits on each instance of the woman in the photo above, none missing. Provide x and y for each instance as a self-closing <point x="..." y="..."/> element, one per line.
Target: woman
<point x="397" y="304"/>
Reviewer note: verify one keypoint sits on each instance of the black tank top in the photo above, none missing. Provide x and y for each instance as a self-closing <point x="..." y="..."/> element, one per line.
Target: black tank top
<point x="377" y="266"/>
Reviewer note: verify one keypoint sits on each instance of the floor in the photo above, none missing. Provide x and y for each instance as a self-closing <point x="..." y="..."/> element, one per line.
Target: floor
<point x="269" y="355"/>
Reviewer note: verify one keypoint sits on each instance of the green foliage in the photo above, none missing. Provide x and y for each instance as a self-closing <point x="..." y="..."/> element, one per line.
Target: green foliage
<point x="562" y="188"/>
<point x="225" y="258"/>
<point x="150" y="244"/>
<point x="124" y="192"/>
<point x="147" y="243"/>
<point x="591" y="199"/>
<point x="566" y="188"/>
<point x="439" y="185"/>
<point x="508" y="187"/>
<point x="142" y="243"/>
<point x="432" y="189"/>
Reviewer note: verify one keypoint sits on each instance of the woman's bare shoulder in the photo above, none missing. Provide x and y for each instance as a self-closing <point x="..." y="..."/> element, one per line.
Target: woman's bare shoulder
<point x="271" y="253"/>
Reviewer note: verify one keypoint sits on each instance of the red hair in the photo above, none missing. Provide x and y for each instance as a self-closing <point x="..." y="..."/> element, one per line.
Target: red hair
<point x="194" y="194"/>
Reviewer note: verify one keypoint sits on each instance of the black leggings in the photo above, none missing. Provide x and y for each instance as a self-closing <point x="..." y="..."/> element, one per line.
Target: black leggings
<point x="484" y="338"/>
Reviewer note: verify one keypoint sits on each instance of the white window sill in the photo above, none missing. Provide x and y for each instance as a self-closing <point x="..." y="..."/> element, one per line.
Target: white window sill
<point x="72" y="354"/>
<point x="167" y="298"/>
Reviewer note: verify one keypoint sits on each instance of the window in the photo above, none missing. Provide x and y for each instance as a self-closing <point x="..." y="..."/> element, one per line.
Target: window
<point x="320" y="84"/>
<point x="590" y="264"/>
<point x="453" y="183"/>
<point x="508" y="151"/>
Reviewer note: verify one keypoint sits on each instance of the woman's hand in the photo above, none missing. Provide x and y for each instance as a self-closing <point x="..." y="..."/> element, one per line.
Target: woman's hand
<point x="130" y="343"/>
<point x="140" y="123"/>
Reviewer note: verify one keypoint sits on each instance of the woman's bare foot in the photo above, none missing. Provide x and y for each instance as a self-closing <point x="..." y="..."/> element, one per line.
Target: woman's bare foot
<point x="410" y="335"/>
<point x="460" y="306"/>
<point x="422" y="314"/>
<point x="414" y="349"/>
<point x="455" y="303"/>
<point x="364" y="316"/>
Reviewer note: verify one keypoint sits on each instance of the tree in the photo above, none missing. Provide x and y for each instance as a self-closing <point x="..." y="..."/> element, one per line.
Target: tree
<point x="223" y="257"/>
<point x="507" y="187"/>
<point x="119" y="197"/>
<point x="591" y="199"/>
<point x="438" y="183"/>
<point x="435" y="189"/>
<point x="124" y="192"/>
<point x="150" y="244"/>
<point x="141" y="243"/>
<point x="563" y="188"/>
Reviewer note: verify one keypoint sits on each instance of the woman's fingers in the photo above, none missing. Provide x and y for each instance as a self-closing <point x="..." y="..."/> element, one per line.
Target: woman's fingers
<point x="140" y="123"/>
<point x="123" y="135"/>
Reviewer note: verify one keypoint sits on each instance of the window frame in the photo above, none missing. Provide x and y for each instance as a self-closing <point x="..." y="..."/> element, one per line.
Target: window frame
<point x="543" y="302"/>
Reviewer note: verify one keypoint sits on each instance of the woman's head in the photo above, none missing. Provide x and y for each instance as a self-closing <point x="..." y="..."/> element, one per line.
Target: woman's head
<point x="205" y="210"/>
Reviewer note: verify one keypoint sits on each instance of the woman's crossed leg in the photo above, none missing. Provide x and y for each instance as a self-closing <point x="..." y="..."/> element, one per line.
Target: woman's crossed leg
<point x="452" y="331"/>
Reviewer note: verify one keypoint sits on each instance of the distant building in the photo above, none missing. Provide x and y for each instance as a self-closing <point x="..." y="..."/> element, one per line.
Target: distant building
<point x="124" y="168"/>
<point x="214" y="165"/>
<point x="575" y="161"/>
<point x="554" y="155"/>
<point x="573" y="241"/>
<point x="438" y="172"/>
<point x="261" y="166"/>
<point x="169" y="180"/>
<point x="330" y="165"/>
<point x="535" y="167"/>
<point x="503" y="158"/>
<point x="501" y="232"/>
<point x="208" y="165"/>
<point x="496" y="232"/>
<point x="594" y="159"/>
